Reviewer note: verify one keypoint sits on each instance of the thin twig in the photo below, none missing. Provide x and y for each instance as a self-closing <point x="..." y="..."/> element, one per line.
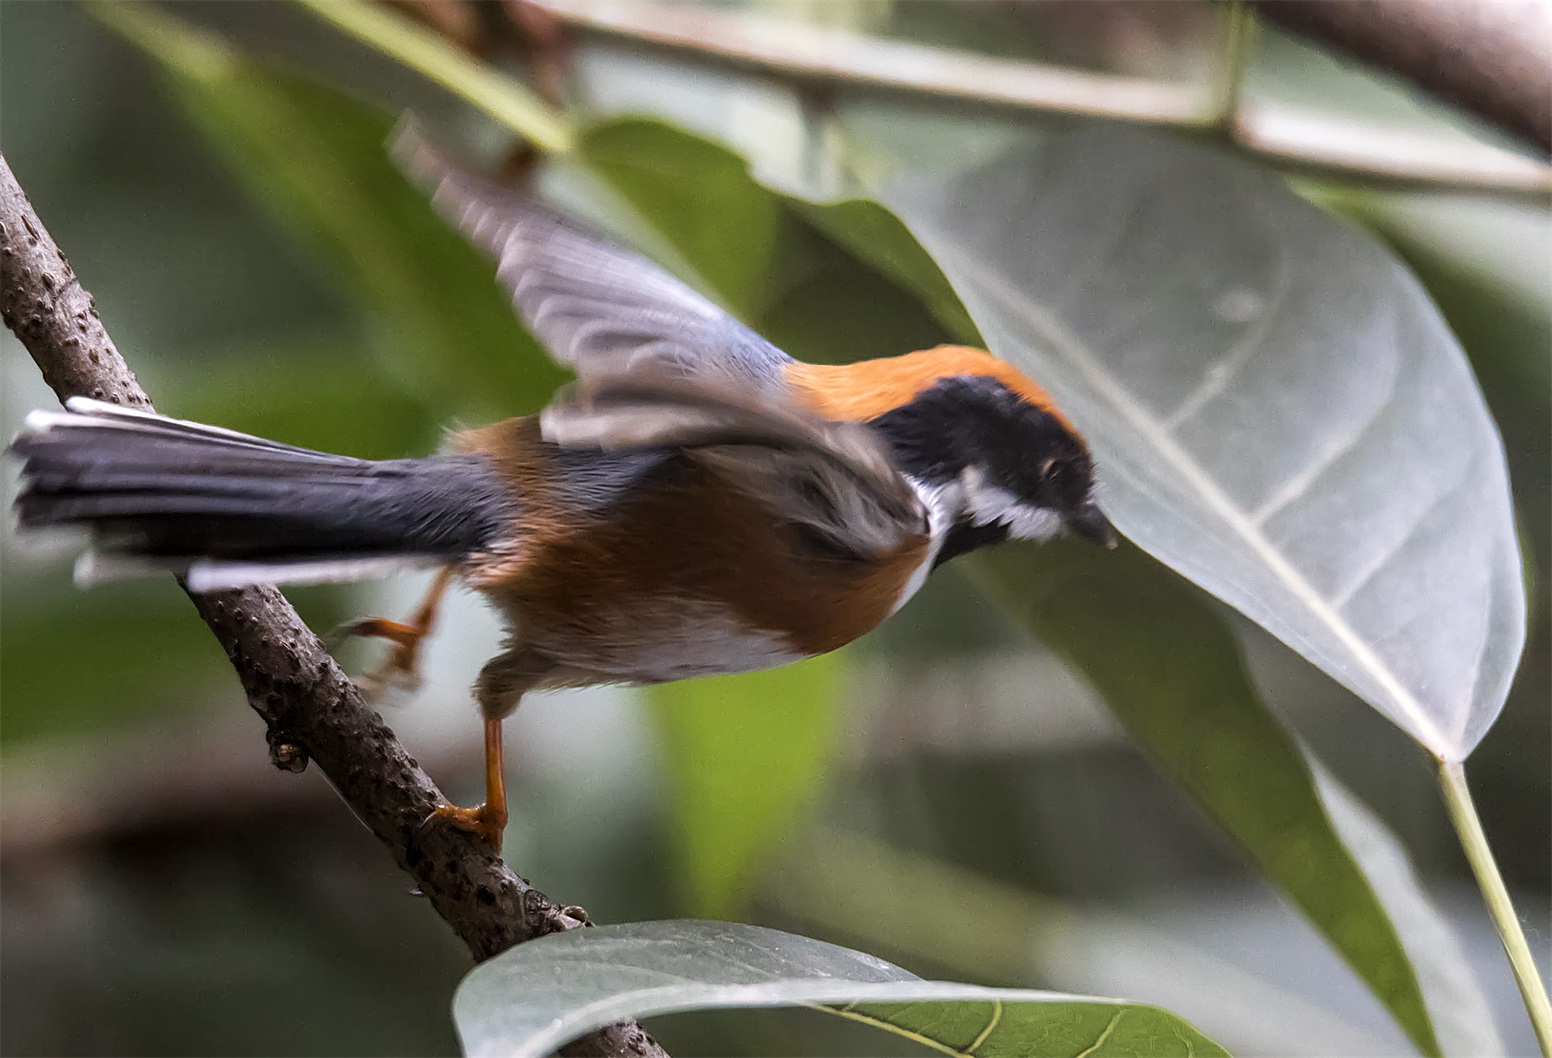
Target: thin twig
<point x="810" y="56"/>
<point x="310" y="708"/>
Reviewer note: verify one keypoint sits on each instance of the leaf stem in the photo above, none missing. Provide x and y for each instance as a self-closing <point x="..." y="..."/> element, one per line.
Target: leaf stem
<point x="1463" y="814"/>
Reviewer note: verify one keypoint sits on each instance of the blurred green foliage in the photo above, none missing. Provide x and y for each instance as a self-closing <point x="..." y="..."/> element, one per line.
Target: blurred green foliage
<point x="1197" y="713"/>
<point x="746" y="757"/>
<point x="315" y="158"/>
<point x="780" y="264"/>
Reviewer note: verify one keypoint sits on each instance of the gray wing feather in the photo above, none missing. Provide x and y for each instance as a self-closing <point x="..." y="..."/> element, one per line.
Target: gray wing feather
<point x="837" y="480"/>
<point x="595" y="305"/>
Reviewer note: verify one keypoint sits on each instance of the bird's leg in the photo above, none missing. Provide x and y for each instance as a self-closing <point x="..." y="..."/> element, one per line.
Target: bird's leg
<point x="402" y="665"/>
<point x="501" y="684"/>
<point x="489" y="820"/>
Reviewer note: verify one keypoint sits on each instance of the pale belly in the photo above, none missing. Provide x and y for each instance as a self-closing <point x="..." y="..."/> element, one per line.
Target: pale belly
<point x="692" y="583"/>
<point x="657" y="641"/>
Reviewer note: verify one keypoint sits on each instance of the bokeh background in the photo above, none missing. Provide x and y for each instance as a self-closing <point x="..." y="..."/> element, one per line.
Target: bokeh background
<point x="164" y="890"/>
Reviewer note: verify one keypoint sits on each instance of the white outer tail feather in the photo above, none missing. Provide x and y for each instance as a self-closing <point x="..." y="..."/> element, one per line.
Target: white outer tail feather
<point x="208" y="574"/>
<point x="205" y="574"/>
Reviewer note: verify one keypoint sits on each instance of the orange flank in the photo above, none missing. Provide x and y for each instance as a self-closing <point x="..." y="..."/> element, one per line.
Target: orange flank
<point x="862" y="391"/>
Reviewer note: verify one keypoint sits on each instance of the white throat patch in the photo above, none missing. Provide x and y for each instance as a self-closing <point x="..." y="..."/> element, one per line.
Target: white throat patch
<point x="987" y="503"/>
<point x="971" y="494"/>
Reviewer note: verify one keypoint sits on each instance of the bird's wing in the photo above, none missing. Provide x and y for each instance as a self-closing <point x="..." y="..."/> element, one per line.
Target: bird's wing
<point x="837" y="482"/>
<point x="594" y="305"/>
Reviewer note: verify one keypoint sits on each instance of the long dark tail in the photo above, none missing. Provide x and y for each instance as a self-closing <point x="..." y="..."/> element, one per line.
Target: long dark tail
<point x="225" y="509"/>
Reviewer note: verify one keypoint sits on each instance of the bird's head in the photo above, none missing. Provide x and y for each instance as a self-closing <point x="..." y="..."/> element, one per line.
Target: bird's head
<point x="992" y="457"/>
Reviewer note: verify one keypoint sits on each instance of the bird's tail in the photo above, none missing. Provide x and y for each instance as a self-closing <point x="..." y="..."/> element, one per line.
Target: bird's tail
<point x="226" y="510"/>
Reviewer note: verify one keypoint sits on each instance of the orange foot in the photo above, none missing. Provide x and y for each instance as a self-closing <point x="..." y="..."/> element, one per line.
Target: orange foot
<point x="402" y="668"/>
<point x="487" y="822"/>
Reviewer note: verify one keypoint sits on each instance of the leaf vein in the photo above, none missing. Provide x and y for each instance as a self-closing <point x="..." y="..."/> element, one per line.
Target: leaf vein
<point x="1220" y="374"/>
<point x="1372" y="568"/>
<point x="1297" y="485"/>
<point x="1103" y="1036"/>
<point x="891" y="1027"/>
<point x="991" y="1025"/>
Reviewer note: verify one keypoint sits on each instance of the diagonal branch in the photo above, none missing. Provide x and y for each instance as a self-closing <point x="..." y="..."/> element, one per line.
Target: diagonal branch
<point x="311" y="710"/>
<point x="1493" y="60"/>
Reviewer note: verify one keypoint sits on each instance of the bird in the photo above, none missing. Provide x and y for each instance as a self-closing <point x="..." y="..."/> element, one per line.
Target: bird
<point x="698" y="502"/>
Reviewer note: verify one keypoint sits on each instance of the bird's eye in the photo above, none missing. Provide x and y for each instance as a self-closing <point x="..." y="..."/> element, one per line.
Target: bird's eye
<point x="1047" y="466"/>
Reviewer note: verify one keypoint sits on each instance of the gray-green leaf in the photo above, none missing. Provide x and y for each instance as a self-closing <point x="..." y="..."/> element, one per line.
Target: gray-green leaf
<point x="1276" y="408"/>
<point x="537" y="996"/>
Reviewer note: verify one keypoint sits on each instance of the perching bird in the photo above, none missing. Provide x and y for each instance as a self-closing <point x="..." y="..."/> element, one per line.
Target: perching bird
<point x="700" y="503"/>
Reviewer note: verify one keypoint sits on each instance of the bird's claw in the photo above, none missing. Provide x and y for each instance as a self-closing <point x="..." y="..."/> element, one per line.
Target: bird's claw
<point x="401" y="669"/>
<point x="486" y="822"/>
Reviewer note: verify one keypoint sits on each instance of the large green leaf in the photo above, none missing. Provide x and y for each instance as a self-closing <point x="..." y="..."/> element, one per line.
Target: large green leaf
<point x="318" y="160"/>
<point x="1247" y="772"/>
<point x="537" y="996"/>
<point x="746" y="755"/>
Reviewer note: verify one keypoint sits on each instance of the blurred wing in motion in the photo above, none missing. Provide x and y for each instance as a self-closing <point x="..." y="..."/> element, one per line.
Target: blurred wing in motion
<point x="836" y="481"/>
<point x="596" y="306"/>
<point x="661" y="366"/>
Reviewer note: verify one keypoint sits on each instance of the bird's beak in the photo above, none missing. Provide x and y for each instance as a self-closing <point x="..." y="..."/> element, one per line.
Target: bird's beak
<point x="1089" y="522"/>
